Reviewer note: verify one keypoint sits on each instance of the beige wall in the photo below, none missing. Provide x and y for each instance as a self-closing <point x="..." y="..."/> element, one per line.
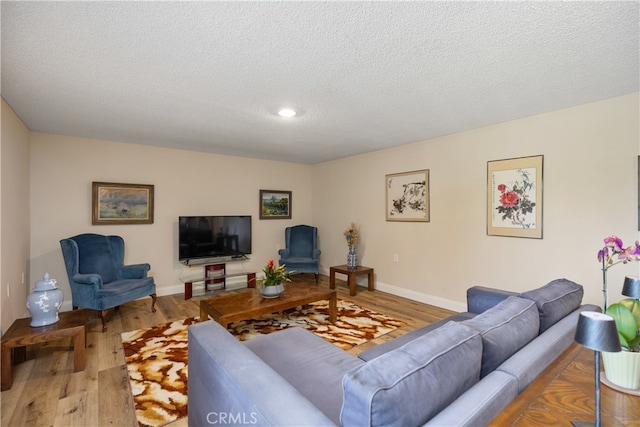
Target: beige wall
<point x="185" y="183"/>
<point x="590" y="191"/>
<point x="14" y="208"/>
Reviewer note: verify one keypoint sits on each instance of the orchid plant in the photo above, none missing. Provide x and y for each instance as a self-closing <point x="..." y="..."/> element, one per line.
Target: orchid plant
<point x="614" y="253"/>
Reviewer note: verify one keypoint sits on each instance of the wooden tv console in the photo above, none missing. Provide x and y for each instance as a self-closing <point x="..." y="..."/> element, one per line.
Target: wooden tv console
<point x="216" y="275"/>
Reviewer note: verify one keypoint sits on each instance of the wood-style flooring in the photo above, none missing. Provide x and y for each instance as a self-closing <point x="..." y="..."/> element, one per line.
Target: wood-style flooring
<point x="46" y="391"/>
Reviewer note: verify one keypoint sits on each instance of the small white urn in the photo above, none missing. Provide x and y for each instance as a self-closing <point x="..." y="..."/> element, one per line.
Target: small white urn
<point x="44" y="302"/>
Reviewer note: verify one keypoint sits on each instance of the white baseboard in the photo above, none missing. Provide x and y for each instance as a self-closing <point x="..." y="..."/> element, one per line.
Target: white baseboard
<point x="423" y="298"/>
<point x="418" y="296"/>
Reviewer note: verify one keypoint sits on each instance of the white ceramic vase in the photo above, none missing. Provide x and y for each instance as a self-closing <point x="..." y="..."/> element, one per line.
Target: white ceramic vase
<point x="44" y="302"/>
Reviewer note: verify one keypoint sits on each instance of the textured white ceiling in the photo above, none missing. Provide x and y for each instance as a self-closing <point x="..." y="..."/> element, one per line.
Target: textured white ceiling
<point x="210" y="76"/>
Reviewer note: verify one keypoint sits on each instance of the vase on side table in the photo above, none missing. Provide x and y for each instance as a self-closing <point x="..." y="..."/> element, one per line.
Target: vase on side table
<point x="44" y="302"/>
<point x="352" y="258"/>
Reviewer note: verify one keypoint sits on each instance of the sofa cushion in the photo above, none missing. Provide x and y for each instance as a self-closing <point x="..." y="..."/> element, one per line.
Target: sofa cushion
<point x="505" y="329"/>
<point x="555" y="300"/>
<point x="292" y="351"/>
<point x="387" y="346"/>
<point x="411" y="384"/>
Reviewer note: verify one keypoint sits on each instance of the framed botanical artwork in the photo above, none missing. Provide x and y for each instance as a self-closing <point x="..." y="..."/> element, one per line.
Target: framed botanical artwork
<point x="407" y="196"/>
<point x="514" y="197"/>
<point x="114" y="203"/>
<point x="275" y="204"/>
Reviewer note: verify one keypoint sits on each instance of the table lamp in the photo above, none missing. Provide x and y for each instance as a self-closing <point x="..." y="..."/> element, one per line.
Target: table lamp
<point x="598" y="332"/>
<point x="631" y="287"/>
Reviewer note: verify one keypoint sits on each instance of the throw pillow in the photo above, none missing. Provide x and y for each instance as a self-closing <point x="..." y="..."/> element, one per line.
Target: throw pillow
<point x="555" y="300"/>
<point x="505" y="329"/>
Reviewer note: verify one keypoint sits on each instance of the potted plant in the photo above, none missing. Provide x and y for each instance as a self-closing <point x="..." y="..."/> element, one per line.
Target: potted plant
<point x="623" y="368"/>
<point x="272" y="284"/>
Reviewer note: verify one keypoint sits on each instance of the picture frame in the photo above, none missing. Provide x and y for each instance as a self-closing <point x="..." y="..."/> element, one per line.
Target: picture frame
<point x="407" y="196"/>
<point x="514" y="197"/>
<point x="116" y="203"/>
<point x="275" y="204"/>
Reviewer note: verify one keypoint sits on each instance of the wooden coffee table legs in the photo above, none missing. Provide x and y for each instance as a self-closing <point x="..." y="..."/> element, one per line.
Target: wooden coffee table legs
<point x="333" y="308"/>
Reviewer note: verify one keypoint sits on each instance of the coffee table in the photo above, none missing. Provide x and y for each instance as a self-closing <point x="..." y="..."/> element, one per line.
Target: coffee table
<point x="248" y="303"/>
<point x="20" y="334"/>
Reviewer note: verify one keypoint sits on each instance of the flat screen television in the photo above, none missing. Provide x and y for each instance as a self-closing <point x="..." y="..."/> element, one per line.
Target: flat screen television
<point x="209" y="237"/>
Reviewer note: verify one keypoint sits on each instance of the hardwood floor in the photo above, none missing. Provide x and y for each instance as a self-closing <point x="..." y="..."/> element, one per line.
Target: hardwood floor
<point x="46" y="391"/>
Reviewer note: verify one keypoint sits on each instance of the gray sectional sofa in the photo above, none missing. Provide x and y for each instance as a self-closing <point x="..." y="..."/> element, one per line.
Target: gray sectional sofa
<point x="459" y="371"/>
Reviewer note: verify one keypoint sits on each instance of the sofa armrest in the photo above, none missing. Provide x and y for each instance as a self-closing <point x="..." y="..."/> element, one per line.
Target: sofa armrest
<point x="480" y="298"/>
<point x="229" y="384"/>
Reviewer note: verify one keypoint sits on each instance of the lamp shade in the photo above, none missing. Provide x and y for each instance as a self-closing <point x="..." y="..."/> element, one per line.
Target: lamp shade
<point x="631" y="287"/>
<point x="597" y="331"/>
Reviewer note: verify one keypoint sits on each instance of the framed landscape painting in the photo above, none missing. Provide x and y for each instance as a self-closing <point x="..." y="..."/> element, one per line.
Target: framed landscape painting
<point x="114" y="203"/>
<point x="407" y="196"/>
<point x="275" y="204"/>
<point x="514" y="197"/>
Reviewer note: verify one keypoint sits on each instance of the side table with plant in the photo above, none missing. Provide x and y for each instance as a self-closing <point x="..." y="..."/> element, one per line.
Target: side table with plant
<point x="622" y="369"/>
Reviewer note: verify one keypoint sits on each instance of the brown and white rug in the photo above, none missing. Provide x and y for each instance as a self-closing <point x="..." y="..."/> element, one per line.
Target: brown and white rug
<point x="157" y="357"/>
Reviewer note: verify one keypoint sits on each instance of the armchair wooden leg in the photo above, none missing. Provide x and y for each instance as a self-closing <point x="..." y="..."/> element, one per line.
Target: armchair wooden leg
<point x="103" y="315"/>
<point x="153" y="302"/>
<point x="317" y="275"/>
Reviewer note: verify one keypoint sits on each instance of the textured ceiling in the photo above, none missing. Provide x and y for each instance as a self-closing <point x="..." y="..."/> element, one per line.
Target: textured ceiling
<point x="210" y="76"/>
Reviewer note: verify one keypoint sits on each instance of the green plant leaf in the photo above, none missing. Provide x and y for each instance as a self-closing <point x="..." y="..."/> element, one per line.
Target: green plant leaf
<point x="623" y="341"/>
<point x="635" y="343"/>
<point x="634" y="306"/>
<point x="625" y="322"/>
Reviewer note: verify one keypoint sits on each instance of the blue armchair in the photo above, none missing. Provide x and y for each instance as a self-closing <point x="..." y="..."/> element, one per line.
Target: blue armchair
<point x="99" y="279"/>
<point x="301" y="254"/>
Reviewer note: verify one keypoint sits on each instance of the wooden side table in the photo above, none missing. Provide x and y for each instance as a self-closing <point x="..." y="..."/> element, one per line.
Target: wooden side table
<point x="351" y="275"/>
<point x="20" y="334"/>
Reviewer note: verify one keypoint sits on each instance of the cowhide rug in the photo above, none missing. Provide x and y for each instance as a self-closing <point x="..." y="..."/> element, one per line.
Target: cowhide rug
<point x="157" y="357"/>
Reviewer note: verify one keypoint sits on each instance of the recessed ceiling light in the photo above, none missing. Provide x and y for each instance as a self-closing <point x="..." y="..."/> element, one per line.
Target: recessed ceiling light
<point x="286" y="112"/>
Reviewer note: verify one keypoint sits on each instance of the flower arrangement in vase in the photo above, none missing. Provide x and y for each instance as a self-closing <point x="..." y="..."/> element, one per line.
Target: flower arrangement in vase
<point x="352" y="234"/>
<point x="274" y="276"/>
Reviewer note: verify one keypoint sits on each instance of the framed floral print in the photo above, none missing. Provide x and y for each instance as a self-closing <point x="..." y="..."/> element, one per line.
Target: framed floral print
<point x="514" y="197"/>
<point x="407" y="196"/>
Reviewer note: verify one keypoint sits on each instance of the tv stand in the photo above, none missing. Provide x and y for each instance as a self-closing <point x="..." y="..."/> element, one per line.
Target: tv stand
<point x="216" y="274"/>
